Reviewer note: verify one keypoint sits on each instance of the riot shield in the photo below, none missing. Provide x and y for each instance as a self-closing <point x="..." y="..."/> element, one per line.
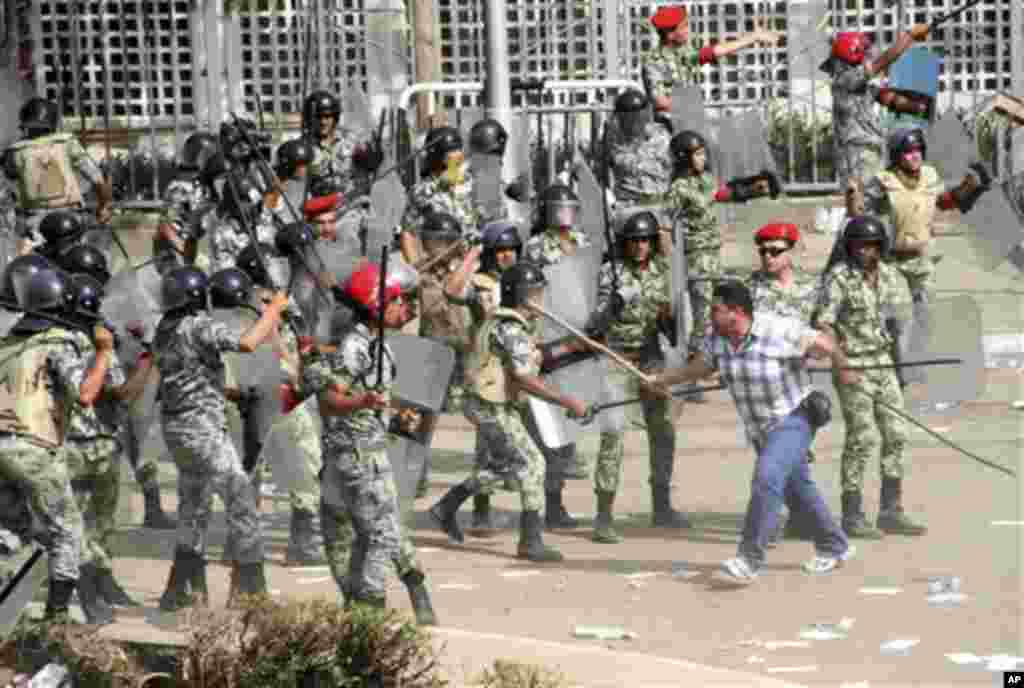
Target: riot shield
<point x="389" y="200"/>
<point x="356" y="106"/>
<point x="487" y="187"/>
<point x="468" y="118"/>
<point x="282" y="447"/>
<point x="591" y="195"/>
<point x="688" y="108"/>
<point x="683" y="320"/>
<point x="133" y="295"/>
<point x="519" y="137"/>
<point x="807" y="40"/>
<point x="950" y="149"/>
<point x="744" y="149"/>
<point x="941" y="329"/>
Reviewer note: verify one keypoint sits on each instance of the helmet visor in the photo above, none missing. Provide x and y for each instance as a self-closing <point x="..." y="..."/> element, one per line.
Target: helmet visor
<point x="561" y="213"/>
<point x="633" y="124"/>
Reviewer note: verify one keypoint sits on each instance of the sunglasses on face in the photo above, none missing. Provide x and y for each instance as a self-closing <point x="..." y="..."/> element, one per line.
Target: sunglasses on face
<point x="773" y="251"/>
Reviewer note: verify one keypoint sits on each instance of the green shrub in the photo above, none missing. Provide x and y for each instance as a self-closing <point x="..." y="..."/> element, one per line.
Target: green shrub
<point x="512" y="674"/>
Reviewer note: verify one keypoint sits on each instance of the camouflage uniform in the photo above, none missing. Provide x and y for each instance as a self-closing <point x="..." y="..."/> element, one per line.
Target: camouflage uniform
<point x="230" y="237"/>
<point x="634" y="334"/>
<point x="668" y="65"/>
<point x="854" y="309"/>
<point x="445" y="322"/>
<point x="334" y="161"/>
<point x="189" y="355"/>
<point x="642" y="169"/>
<point x="41" y="474"/>
<point x="364" y="537"/>
<point x="796" y="302"/>
<point x="690" y="202"/>
<point x="859" y="138"/>
<point x="545" y="249"/>
<point x="912" y="218"/>
<point x="435" y="194"/>
<point x="182" y="199"/>
<point x="92" y="450"/>
<point x="29" y="215"/>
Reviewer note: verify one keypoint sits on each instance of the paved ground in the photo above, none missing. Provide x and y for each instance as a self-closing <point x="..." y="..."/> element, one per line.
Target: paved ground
<point x="656" y="585"/>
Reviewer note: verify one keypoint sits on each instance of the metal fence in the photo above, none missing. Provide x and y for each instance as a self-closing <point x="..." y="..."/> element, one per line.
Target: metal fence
<point x="181" y="64"/>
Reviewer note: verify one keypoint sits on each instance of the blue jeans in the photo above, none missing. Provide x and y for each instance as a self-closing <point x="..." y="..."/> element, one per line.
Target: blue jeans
<point x="782" y="473"/>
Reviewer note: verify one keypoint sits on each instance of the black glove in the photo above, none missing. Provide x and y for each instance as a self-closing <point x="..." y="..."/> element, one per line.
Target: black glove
<point x="965" y="199"/>
<point x="516" y="190"/>
<point x="368" y="157"/>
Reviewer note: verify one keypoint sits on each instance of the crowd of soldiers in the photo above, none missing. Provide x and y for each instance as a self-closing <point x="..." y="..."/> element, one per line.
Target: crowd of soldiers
<point x="236" y="231"/>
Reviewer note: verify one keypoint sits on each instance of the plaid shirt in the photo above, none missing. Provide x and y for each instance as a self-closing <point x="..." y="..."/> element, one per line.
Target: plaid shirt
<point x="765" y="374"/>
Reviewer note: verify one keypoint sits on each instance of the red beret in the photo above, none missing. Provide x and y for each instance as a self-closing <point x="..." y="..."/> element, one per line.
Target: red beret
<point x="321" y="204"/>
<point x="785" y="231"/>
<point x="668" y="18"/>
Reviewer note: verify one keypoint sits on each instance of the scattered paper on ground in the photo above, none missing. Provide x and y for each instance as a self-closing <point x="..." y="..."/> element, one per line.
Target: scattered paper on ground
<point x="642" y="575"/>
<point x="881" y="591"/>
<point x="311" y="581"/>
<point x="823" y="632"/>
<point x="1008" y="523"/>
<point x="963" y="658"/>
<point x="519" y="574"/>
<point x="947" y="599"/>
<point x="805" y="669"/>
<point x="899" y="645"/>
<point x="602" y="633"/>
<point x="778" y="644"/>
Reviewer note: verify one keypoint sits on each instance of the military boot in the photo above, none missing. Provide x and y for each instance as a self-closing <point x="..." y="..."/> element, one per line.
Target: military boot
<point x="112" y="591"/>
<point x="531" y="540"/>
<point x="246" y="579"/>
<point x="155" y="517"/>
<point x="483" y="522"/>
<point x="58" y="599"/>
<point x="96" y="609"/>
<point x="891" y="518"/>
<point x="446" y="510"/>
<point x="855" y="523"/>
<point x="303" y="548"/>
<point x="664" y="516"/>
<point x="555" y="515"/>
<point x="176" y="596"/>
<point x="604" y="530"/>
<point x="415" y="583"/>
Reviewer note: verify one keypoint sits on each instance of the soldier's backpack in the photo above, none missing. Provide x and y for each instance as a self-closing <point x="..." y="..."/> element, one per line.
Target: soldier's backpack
<point x="46" y="178"/>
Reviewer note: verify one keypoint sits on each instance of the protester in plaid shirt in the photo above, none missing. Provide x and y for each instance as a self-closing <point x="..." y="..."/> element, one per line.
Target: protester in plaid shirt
<point x="762" y="363"/>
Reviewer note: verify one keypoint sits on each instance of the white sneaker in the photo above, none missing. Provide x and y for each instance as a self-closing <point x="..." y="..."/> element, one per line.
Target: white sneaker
<point x="826" y="563"/>
<point x="738" y="571"/>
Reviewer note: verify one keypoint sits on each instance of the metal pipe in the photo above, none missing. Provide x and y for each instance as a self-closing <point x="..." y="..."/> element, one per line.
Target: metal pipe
<point x="498" y="98"/>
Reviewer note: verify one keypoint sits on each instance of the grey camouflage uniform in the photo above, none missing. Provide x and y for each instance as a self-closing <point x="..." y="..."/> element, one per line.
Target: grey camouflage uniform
<point x="334" y="161"/>
<point x="230" y="237"/>
<point x="668" y="65"/>
<point x="642" y="168"/>
<point x="434" y="194"/>
<point x="182" y="200"/>
<point x="857" y="129"/>
<point x="364" y="538"/>
<point x="189" y="356"/>
<point x="634" y="333"/>
<point x="856" y="311"/>
<point x="40" y="473"/>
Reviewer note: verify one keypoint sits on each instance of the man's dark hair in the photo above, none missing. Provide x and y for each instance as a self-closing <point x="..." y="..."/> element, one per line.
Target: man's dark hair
<point x="732" y="294"/>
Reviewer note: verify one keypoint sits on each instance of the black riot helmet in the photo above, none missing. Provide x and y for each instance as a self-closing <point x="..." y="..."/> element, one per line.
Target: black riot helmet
<point x="683" y="146"/>
<point x="318" y="104"/>
<point x="902" y="140"/>
<point x="86" y="297"/>
<point x="291" y="154"/>
<point x="633" y="112"/>
<point x="241" y="197"/>
<point x="184" y="288"/>
<point x="264" y="265"/>
<point x="230" y="288"/>
<point x="60" y="229"/>
<point x="642" y="225"/>
<point x="39" y="117"/>
<point x="558" y="206"/>
<point x="294" y="238"/>
<point x="518" y="281"/>
<point x="440" y="142"/>
<point x="46" y="292"/>
<point x="18" y="272"/>
<point x="865" y="228"/>
<point x="440" y="227"/>
<point x="488" y="137"/>
<point x="85" y="260"/>
<point x="198" y="149"/>
<point x="495" y="236"/>
<point x="237" y="139"/>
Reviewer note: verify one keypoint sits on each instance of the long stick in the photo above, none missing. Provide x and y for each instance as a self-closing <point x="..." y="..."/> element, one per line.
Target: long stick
<point x="910" y="419"/>
<point x="682" y="393"/>
<point x="626" y="365"/>
<point x="889" y="366"/>
<point x="426" y="264"/>
<point x="952" y="14"/>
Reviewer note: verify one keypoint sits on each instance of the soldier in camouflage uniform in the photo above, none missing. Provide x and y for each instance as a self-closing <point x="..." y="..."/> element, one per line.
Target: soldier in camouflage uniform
<point x="856" y="125"/>
<point x="187" y="201"/>
<point x="634" y="303"/>
<point x="92" y="452"/>
<point x="908" y="192"/>
<point x="44" y="167"/>
<point x="778" y="288"/>
<point x="679" y="60"/>
<point x="188" y="349"/>
<point x="34" y="416"/>
<point x="242" y="210"/>
<point x="475" y="285"/>
<point x="447" y="187"/>
<point x="506" y="362"/>
<point x="690" y="205"/>
<point x="639" y="157"/>
<point x="357" y="486"/>
<point x="861" y="297"/>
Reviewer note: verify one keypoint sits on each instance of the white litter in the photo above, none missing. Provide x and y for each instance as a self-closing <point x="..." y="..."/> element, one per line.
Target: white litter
<point x="823" y="632"/>
<point x="881" y="591"/>
<point x="805" y="669"/>
<point x="1008" y="523"/>
<point x="458" y="586"/>
<point x="602" y="633"/>
<point x="1004" y="662"/>
<point x="683" y="572"/>
<point x="964" y="658"/>
<point x="754" y="659"/>
<point x="312" y="581"/>
<point x="779" y="644"/>
<point x="427" y="550"/>
<point x="642" y="575"/>
<point x="1019" y="404"/>
<point x="899" y="646"/>
<point x="520" y="574"/>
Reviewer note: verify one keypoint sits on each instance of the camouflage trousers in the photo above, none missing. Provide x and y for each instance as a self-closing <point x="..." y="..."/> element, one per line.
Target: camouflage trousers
<point x="511" y="453"/>
<point x="143" y="467"/>
<point x="208" y="465"/>
<point x="305" y="437"/>
<point x="919" y="273"/>
<point x="857" y="162"/>
<point x="41" y="478"/>
<point x="661" y="439"/>
<point x="869" y="426"/>
<point x="95" y="481"/>
<point x="456" y="397"/>
<point x="702" y="268"/>
<point x="361" y="522"/>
